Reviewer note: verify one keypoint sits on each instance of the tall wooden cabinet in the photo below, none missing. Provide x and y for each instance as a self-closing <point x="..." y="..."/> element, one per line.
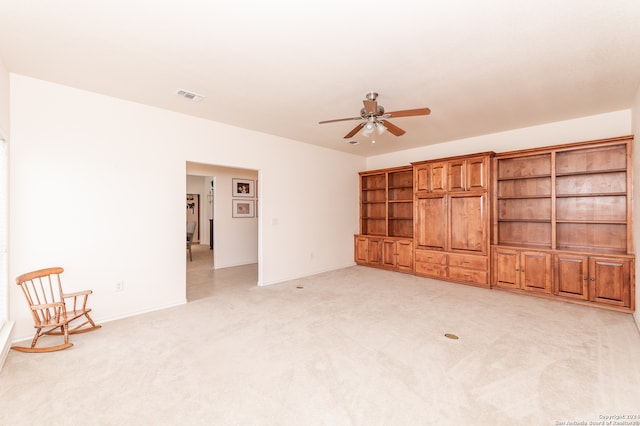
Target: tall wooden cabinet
<point x="386" y="219"/>
<point x="451" y="207"/>
<point x="571" y="206"/>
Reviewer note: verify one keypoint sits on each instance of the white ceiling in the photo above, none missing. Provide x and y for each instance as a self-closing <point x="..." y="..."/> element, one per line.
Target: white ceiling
<point x="281" y="66"/>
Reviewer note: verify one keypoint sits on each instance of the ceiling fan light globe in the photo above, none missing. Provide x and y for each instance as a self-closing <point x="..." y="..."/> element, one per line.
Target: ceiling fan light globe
<point x="381" y="128"/>
<point x="368" y="129"/>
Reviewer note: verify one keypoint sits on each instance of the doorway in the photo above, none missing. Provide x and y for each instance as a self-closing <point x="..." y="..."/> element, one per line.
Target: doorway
<point x="230" y="239"/>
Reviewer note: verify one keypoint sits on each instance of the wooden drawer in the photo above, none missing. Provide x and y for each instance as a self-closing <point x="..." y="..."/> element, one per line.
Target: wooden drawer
<point x="431" y="269"/>
<point x="466" y="261"/>
<point x="469" y="275"/>
<point x="435" y="257"/>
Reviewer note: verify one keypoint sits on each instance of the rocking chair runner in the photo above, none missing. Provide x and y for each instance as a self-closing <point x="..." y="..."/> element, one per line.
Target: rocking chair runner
<point x="52" y="309"/>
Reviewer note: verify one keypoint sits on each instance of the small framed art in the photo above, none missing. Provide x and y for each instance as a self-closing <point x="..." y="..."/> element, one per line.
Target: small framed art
<point x="243" y="187"/>
<point x="243" y="208"/>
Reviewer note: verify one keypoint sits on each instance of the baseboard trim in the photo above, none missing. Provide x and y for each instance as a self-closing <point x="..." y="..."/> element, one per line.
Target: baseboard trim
<point x="297" y="277"/>
<point x="121" y="316"/>
<point x="140" y="312"/>
<point x="5" y="341"/>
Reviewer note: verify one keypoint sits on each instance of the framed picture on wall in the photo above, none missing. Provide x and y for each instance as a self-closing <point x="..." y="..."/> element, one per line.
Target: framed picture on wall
<point x="243" y="188"/>
<point x="243" y="208"/>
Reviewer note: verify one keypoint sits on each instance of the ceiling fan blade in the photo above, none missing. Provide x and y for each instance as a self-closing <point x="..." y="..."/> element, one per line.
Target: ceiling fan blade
<point x="408" y="112"/>
<point x="371" y="107"/>
<point x="393" y="129"/>
<point x="340" y="119"/>
<point x="354" y="131"/>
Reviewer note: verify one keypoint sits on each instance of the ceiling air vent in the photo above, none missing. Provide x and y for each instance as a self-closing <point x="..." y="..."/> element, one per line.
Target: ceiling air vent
<point x="190" y="95"/>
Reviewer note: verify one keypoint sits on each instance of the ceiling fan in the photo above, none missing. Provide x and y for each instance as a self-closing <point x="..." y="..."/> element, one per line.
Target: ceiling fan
<point x="374" y="118"/>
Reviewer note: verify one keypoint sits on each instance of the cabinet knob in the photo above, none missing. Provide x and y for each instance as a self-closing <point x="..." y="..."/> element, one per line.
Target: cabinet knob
<point x="517" y="270"/>
<point x="593" y="279"/>
<point x="586" y="278"/>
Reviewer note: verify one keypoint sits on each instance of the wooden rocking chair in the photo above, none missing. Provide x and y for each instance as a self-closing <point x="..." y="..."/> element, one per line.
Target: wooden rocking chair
<point x="52" y="309"/>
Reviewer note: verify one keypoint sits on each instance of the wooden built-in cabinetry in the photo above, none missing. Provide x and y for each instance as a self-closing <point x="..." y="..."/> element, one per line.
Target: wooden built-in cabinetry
<point x="451" y="230"/>
<point x="522" y="269"/>
<point x="554" y="222"/>
<point x="386" y="219"/>
<point x="562" y="222"/>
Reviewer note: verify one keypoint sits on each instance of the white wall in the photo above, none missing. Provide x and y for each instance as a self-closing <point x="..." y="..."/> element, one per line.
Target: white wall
<point x="98" y="187"/>
<point x="236" y="239"/>
<point x="5" y="326"/>
<point x="636" y="195"/>
<point x="4" y="101"/>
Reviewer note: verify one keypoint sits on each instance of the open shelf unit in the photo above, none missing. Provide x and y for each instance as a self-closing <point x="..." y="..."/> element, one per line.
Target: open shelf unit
<point x="386" y="202"/>
<point x="568" y="198"/>
<point x="568" y="208"/>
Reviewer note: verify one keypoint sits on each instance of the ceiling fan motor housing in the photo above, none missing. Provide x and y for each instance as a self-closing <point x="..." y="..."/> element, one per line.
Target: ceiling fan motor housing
<point x="365" y="114"/>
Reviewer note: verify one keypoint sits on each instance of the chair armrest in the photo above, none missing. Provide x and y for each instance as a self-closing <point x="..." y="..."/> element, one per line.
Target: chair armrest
<point x="48" y="305"/>
<point x="77" y="293"/>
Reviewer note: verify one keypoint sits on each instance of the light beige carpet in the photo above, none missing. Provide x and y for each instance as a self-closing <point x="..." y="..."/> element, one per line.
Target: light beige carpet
<point x="358" y="346"/>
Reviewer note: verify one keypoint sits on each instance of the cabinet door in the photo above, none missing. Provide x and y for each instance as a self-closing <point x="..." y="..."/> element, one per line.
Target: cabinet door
<point x="389" y="254"/>
<point x="477" y="173"/>
<point x="431" y="222"/>
<point x="505" y="268"/>
<point x="361" y="246"/>
<point x="610" y="281"/>
<point x="571" y="276"/>
<point x="374" y="251"/>
<point x="438" y="177"/>
<point x="535" y="271"/>
<point x="468" y="224"/>
<point x="421" y="178"/>
<point x="457" y="176"/>
<point x="404" y="260"/>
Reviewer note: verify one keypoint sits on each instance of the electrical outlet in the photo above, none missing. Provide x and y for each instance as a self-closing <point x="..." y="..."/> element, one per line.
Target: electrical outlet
<point x="120" y="286"/>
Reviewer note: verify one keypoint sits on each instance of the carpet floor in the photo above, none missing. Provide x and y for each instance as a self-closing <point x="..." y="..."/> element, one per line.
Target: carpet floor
<point x="356" y="346"/>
